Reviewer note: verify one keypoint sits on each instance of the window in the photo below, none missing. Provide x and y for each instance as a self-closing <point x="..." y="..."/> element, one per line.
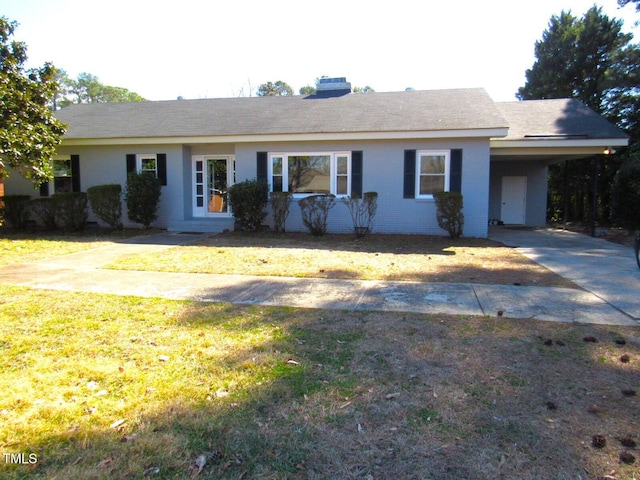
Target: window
<point x="277" y="174"/>
<point x="62" y="175"/>
<point x="342" y="175"/>
<point x="432" y="172"/>
<point x="309" y="173"/>
<point x="147" y="163"/>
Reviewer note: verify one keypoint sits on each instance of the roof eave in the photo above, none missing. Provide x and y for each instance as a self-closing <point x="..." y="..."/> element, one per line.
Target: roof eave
<point x="288" y="137"/>
<point x="591" y="146"/>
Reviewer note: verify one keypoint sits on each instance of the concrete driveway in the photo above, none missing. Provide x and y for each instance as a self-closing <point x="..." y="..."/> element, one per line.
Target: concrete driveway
<point x="606" y="269"/>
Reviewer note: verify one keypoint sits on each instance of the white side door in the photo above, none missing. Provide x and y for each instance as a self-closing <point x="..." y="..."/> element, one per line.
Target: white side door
<point x="514" y="200"/>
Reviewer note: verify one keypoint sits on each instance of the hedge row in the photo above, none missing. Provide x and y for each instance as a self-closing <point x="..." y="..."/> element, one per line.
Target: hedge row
<point x="69" y="211"/>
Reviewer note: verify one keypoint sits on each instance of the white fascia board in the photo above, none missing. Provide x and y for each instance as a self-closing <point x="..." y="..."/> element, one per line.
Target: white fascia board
<point x="554" y="146"/>
<point x="302" y="137"/>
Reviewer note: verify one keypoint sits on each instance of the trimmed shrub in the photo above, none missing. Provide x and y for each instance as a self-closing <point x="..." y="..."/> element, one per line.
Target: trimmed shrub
<point x="362" y="210"/>
<point x="143" y="197"/>
<point x="70" y="210"/>
<point x="43" y="209"/>
<point x="625" y="195"/>
<point x="280" y="202"/>
<point x="106" y="203"/>
<point x="16" y="210"/>
<point x="248" y="201"/>
<point x="449" y="212"/>
<point x="315" y="212"/>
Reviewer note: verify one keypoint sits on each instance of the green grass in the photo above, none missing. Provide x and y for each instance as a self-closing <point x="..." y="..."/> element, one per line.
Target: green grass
<point x="179" y="374"/>
<point x="101" y="387"/>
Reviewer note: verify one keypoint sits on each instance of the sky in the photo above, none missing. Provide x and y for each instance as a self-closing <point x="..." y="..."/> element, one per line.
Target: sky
<point x="211" y="48"/>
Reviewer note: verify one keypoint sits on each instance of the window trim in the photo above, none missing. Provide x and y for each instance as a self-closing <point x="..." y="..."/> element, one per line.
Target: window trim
<point x="447" y="170"/>
<point x="333" y="171"/>
<point x="146" y="156"/>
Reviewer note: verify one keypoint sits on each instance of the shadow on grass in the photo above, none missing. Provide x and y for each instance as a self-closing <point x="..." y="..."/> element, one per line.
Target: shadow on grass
<point x="88" y="235"/>
<point x="373" y="243"/>
<point x="335" y="394"/>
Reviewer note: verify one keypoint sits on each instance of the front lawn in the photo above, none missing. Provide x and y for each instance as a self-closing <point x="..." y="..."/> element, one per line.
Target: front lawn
<point x="22" y="247"/>
<point x="374" y="257"/>
<point x="101" y="387"/>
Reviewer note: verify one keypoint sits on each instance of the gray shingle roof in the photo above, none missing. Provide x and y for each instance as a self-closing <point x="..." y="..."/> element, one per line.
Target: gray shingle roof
<point x="561" y="118"/>
<point x="437" y="110"/>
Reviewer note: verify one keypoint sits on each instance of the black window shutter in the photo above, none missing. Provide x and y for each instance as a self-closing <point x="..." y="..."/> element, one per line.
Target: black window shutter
<point x="131" y="163"/>
<point x="356" y="174"/>
<point x="262" y="159"/>
<point x="409" y="174"/>
<point x="44" y="189"/>
<point x="455" y="172"/>
<point x="162" y="168"/>
<point x="75" y="173"/>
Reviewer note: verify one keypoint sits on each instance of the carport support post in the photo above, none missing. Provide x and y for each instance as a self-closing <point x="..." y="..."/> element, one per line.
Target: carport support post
<point x="594" y="206"/>
<point x="565" y="194"/>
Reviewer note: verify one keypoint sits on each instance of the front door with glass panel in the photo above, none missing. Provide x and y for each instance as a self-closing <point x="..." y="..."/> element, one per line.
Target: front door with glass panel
<point x="212" y="177"/>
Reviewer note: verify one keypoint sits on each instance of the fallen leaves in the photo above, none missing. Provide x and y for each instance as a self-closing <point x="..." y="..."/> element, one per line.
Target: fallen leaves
<point x="222" y="393"/>
<point x="596" y="409"/>
<point x="117" y="423"/>
<point x="129" y="438"/>
<point x="106" y="462"/>
<point x="151" y="471"/>
<point x="196" y="467"/>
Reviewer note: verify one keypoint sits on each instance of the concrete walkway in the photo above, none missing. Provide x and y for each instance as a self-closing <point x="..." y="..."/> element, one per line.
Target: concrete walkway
<point x="606" y="269"/>
<point x="82" y="272"/>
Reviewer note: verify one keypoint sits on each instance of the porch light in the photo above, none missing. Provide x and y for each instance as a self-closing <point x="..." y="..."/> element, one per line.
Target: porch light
<point x="608" y="151"/>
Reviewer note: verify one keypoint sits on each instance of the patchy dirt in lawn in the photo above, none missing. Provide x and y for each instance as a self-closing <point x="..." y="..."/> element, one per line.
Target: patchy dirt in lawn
<point x="476" y="399"/>
<point x="374" y="257"/>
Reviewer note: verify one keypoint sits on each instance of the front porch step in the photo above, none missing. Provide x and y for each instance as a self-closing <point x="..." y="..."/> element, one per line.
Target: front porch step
<point x="202" y="225"/>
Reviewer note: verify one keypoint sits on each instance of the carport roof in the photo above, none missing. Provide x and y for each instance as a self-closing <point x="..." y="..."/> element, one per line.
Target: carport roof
<point x="554" y="130"/>
<point x="564" y="118"/>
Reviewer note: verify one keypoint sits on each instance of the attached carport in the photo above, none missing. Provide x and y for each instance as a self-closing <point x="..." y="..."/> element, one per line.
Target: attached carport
<point x="541" y="133"/>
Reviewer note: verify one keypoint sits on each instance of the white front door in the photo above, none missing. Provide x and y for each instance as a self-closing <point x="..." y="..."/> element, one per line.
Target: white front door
<point x="212" y="177"/>
<point x="514" y="200"/>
